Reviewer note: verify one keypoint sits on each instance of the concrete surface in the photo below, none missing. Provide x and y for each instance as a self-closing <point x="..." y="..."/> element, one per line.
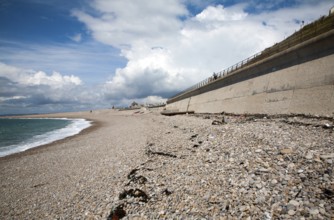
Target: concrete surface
<point x="297" y="81"/>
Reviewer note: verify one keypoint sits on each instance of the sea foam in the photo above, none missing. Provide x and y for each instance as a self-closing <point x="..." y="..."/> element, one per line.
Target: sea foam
<point x="75" y="127"/>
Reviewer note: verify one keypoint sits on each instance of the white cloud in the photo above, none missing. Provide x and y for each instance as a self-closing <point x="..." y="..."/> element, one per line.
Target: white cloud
<point x="218" y="13"/>
<point x="166" y="49"/>
<point x="125" y="22"/>
<point x="12" y="98"/>
<point x="166" y="54"/>
<point x="35" y="78"/>
<point x="77" y="38"/>
<point x="28" y="91"/>
<point x="92" y="61"/>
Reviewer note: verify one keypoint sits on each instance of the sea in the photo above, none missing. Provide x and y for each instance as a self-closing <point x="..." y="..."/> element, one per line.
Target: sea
<point x="17" y="135"/>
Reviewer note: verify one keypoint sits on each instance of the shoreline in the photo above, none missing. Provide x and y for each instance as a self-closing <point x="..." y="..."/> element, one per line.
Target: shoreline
<point x="72" y="177"/>
<point x="35" y="150"/>
<point x="142" y="165"/>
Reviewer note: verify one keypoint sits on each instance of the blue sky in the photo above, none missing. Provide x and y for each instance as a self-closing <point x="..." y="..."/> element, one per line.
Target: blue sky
<point x="59" y="55"/>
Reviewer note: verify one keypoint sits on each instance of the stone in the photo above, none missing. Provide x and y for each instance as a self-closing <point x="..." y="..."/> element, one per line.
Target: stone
<point x="328" y="193"/>
<point x="294" y="203"/>
<point x="327" y="126"/>
<point x="216" y="122"/>
<point x="327" y="156"/>
<point x="259" y="185"/>
<point x="274" y="182"/>
<point x="286" y="151"/>
<point x="291" y="212"/>
<point x="117" y="213"/>
<point x="244" y="208"/>
<point x="314" y="211"/>
<point x="166" y="192"/>
<point x="309" y="156"/>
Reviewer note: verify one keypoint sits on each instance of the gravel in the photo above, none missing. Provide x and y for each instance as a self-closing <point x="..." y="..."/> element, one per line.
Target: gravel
<point x="146" y="166"/>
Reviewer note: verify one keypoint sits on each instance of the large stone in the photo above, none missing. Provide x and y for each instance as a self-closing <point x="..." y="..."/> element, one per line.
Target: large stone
<point x="286" y="151"/>
<point x="327" y="156"/>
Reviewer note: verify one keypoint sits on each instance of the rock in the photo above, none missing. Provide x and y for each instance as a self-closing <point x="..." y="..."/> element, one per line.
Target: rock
<point x="244" y="208"/>
<point x="263" y="170"/>
<point x="286" y="151"/>
<point x="274" y="182"/>
<point x="291" y="212"/>
<point x="327" y="156"/>
<point x="314" y="211"/>
<point x="193" y="136"/>
<point x="216" y="122"/>
<point x="238" y="170"/>
<point x="309" y="156"/>
<point x="294" y="203"/>
<point x="327" y="126"/>
<point x="328" y="193"/>
<point x="117" y="213"/>
<point x="166" y="192"/>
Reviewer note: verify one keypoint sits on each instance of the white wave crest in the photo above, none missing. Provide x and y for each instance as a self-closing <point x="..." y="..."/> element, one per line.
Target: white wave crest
<point x="75" y="127"/>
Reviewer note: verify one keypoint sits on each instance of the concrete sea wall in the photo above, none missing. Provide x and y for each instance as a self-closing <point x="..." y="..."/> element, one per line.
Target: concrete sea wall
<point x="299" y="80"/>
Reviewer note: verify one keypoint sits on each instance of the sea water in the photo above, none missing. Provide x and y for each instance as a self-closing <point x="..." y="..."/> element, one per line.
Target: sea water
<point x="17" y="135"/>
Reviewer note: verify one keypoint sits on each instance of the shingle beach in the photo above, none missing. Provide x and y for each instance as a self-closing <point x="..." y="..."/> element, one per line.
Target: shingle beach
<point x="142" y="165"/>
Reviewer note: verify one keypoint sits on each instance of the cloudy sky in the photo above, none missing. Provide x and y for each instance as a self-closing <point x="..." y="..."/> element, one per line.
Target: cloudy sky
<point x="60" y="55"/>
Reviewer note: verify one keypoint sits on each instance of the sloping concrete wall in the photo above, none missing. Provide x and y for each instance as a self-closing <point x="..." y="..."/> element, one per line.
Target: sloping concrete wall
<point x="299" y="81"/>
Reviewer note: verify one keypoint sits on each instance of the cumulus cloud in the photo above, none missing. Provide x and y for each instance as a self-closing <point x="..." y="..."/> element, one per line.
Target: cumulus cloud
<point x="157" y="48"/>
<point x="33" y="90"/>
<point x="92" y="61"/>
<point x="218" y="13"/>
<point x="169" y="49"/>
<point x="34" y="78"/>
<point x="122" y="23"/>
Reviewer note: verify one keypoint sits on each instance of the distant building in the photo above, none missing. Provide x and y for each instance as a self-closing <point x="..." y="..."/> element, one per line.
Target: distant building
<point x="331" y="11"/>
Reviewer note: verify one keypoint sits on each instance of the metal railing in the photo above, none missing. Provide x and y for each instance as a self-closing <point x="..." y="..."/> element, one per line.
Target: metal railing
<point x="309" y="31"/>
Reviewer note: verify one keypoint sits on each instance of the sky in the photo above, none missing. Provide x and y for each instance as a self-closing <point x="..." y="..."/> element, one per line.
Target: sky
<point x="60" y="55"/>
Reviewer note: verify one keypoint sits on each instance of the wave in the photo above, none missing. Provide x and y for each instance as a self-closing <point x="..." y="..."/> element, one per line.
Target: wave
<point x="75" y="127"/>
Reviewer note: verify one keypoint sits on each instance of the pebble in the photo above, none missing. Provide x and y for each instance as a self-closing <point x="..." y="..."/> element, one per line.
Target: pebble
<point x="294" y="202"/>
<point x="327" y="156"/>
<point x="274" y="181"/>
<point x="314" y="211"/>
<point x="291" y="212"/>
<point x="286" y="151"/>
<point x="309" y="156"/>
<point x="269" y="169"/>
